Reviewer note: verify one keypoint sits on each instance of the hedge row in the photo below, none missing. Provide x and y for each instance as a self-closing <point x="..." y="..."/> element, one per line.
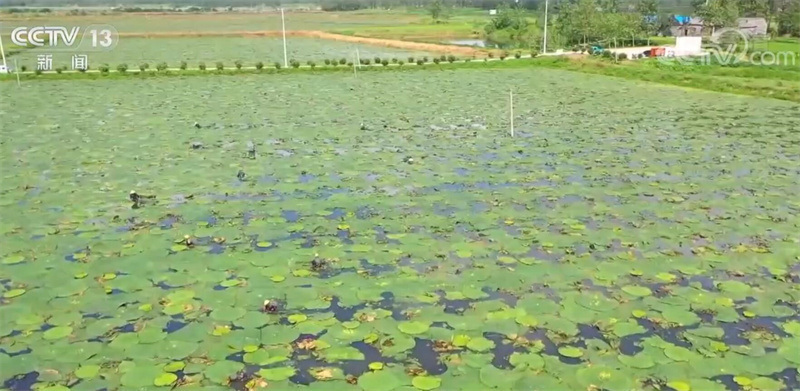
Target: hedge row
<point x="163" y="66"/>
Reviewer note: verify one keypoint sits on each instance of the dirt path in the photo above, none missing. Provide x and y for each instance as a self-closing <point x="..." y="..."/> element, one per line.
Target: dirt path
<point x="392" y="43"/>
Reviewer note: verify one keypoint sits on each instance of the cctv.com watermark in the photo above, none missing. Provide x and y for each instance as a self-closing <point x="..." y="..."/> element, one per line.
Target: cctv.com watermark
<point x="732" y="47"/>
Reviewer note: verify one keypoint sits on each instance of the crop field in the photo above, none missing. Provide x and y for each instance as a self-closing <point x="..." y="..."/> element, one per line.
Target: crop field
<point x="249" y="50"/>
<point x="217" y="22"/>
<point x="386" y="233"/>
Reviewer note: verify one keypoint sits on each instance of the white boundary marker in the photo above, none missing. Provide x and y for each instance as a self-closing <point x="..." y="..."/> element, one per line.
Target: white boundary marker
<point x="16" y="69"/>
<point x="283" y="27"/>
<point x="511" y="110"/>
<point x="3" y="53"/>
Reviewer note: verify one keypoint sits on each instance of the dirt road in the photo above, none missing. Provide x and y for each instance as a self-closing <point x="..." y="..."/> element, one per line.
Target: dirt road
<point x="392" y="43"/>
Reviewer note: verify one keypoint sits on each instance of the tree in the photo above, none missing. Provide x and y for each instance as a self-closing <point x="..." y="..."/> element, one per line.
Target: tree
<point x="718" y="13"/>
<point x="510" y="27"/>
<point x="438" y="11"/>
<point x="789" y="19"/>
<point x="650" y="17"/>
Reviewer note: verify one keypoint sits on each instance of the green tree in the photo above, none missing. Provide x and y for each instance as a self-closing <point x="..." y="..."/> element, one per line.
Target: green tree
<point x="718" y="13"/>
<point x="650" y="17"/>
<point x="789" y="19"/>
<point x="438" y="11"/>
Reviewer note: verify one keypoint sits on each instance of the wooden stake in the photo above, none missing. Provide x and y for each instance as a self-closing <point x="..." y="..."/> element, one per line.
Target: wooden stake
<point x="511" y="110"/>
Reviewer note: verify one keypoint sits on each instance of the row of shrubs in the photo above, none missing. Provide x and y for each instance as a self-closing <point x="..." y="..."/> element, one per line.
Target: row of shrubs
<point x="296" y="64"/>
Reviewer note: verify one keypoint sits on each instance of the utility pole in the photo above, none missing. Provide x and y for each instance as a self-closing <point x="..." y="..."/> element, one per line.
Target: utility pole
<point x="3" y="52"/>
<point x="544" y="43"/>
<point x="283" y="27"/>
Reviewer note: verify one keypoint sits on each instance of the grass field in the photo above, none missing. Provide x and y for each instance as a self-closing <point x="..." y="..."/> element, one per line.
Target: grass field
<point x="630" y="236"/>
<point x="220" y="22"/>
<point x="134" y="51"/>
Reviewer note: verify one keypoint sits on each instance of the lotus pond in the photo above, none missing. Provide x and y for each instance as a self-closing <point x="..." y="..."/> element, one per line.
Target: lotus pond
<point x="322" y="232"/>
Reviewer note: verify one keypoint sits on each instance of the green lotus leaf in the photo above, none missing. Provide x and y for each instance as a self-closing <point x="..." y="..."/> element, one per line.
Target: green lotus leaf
<point x="379" y="381"/>
<point x="165" y="379"/>
<point x="495" y="378"/>
<point x="342" y="353"/>
<point x="527" y="320"/>
<point x="140" y="376"/>
<point x="426" y="383"/>
<point x="176" y="350"/>
<point x="526" y="360"/>
<point x="87" y="371"/>
<point x="790" y="350"/>
<point x="480" y="344"/>
<point x="623" y="329"/>
<point x="678" y="353"/>
<point x="57" y="332"/>
<point x="56" y="387"/>
<point x="12" y="293"/>
<point x="570" y="351"/>
<point x="221" y="371"/>
<point x="227" y="314"/>
<point x="766" y="384"/>
<point x="604" y="378"/>
<point x="641" y="361"/>
<point x="277" y="374"/>
<point x="678" y="385"/>
<point x="174" y="366"/>
<point x="413" y="327"/>
<point x="13" y="259"/>
<point x="637" y="291"/>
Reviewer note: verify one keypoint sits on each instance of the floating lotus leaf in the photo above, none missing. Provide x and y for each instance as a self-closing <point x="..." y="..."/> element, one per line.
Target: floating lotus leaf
<point x="480" y="344"/>
<point x="57" y="332"/>
<point x="151" y="335"/>
<point x="227" y="314"/>
<point x="426" y="383"/>
<point x="174" y="366"/>
<point x="342" y="353"/>
<point x="790" y="350"/>
<point x="221" y="371"/>
<point x="176" y="350"/>
<point x="792" y="327"/>
<point x="604" y="377"/>
<point x="140" y="376"/>
<point x="527" y="320"/>
<point x="678" y="353"/>
<point x="623" y="329"/>
<point x="375" y="366"/>
<point x="413" y="327"/>
<point x="12" y="293"/>
<point x="638" y="291"/>
<point x="297" y="318"/>
<point x="56" y="387"/>
<point x="231" y="283"/>
<point x="766" y="384"/>
<point x="641" y="361"/>
<point x="679" y="385"/>
<point x="461" y="340"/>
<point x="258" y="357"/>
<point x="277" y="374"/>
<point x="379" y="381"/>
<point x="13" y="259"/>
<point x="495" y="378"/>
<point x="165" y="379"/>
<point x="526" y="360"/>
<point x="570" y="351"/>
<point x="87" y="371"/>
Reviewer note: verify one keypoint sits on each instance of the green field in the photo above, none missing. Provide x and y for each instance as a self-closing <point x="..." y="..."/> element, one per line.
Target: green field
<point x="218" y="22"/>
<point x="631" y="236"/>
<point x="249" y="50"/>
